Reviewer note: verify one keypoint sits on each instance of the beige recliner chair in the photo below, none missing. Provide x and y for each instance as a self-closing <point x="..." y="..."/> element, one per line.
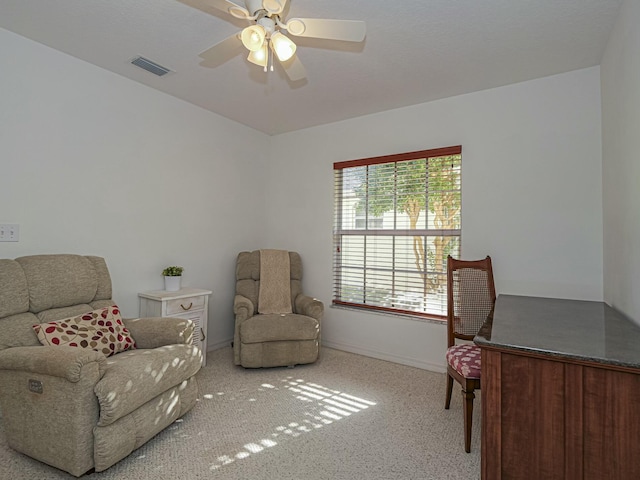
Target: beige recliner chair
<point x="276" y="325"/>
<point x="73" y="407"/>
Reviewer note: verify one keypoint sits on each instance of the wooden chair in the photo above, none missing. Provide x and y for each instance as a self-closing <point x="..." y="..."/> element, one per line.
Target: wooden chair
<point x="471" y="296"/>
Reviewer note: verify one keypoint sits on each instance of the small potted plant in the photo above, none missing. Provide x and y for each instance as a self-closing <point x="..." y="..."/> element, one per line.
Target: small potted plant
<point x="172" y="278"/>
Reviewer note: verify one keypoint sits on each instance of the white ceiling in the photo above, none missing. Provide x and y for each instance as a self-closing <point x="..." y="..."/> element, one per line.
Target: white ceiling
<point x="415" y="51"/>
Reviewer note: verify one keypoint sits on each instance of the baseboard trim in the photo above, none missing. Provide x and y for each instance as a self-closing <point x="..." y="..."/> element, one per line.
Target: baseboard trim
<point x="403" y="360"/>
<point x="219" y="345"/>
<point x="389" y="357"/>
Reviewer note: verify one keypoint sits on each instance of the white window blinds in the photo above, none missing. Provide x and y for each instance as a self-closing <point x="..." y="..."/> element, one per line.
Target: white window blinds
<point x="396" y="219"/>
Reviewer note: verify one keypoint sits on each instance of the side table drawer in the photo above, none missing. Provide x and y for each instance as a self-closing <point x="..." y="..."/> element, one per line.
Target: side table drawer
<point x="183" y="305"/>
<point x="186" y="303"/>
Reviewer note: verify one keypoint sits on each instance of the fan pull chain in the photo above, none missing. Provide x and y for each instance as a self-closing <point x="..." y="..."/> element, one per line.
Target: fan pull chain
<point x="267" y="59"/>
<point x="272" y="61"/>
<point x="269" y="56"/>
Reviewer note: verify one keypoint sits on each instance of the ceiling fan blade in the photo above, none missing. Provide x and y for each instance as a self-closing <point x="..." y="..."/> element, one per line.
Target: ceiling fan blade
<point x="221" y="52"/>
<point x="347" y="30"/>
<point x="294" y="69"/>
<point x="210" y="6"/>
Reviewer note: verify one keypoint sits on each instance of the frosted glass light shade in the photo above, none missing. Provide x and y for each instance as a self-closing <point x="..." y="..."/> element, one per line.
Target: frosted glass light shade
<point x="253" y="37"/>
<point x="260" y="56"/>
<point x="282" y="46"/>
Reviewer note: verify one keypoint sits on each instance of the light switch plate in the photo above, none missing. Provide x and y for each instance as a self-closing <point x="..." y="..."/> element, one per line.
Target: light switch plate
<point x="9" y="232"/>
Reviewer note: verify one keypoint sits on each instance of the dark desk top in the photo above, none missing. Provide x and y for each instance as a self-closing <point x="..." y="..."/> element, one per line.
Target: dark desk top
<point x="571" y="329"/>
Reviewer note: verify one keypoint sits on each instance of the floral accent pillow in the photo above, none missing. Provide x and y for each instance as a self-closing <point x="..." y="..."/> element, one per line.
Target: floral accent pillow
<point x="101" y="330"/>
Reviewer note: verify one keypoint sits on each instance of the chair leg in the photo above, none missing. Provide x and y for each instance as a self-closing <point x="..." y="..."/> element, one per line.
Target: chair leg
<point x="468" y="417"/>
<point x="447" y="402"/>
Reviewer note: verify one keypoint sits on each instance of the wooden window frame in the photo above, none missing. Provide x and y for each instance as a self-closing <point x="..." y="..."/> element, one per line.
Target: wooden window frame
<point x="339" y="232"/>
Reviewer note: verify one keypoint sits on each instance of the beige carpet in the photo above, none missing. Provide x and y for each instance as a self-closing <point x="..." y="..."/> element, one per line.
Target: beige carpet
<point x="345" y="417"/>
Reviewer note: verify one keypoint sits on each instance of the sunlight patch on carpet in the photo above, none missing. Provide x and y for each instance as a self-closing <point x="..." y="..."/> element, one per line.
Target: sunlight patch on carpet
<point x="323" y="406"/>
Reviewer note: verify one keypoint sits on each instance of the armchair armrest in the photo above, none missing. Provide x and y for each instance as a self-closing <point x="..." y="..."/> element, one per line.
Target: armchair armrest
<point x="64" y="362"/>
<point x="153" y="332"/>
<point x="242" y="308"/>
<point x="48" y="402"/>
<point x="309" y="306"/>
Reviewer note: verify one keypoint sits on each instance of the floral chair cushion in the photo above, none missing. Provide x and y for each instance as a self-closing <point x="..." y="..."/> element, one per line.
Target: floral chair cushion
<point x="465" y="359"/>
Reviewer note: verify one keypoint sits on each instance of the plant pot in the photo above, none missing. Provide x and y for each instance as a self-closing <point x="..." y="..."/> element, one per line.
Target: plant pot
<point x="172" y="284"/>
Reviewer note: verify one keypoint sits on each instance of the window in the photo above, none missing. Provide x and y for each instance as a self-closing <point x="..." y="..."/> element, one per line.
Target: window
<point x="396" y="219"/>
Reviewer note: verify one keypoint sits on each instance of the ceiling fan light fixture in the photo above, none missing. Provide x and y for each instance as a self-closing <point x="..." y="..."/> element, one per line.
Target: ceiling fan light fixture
<point x="283" y="47"/>
<point x="259" y="57"/>
<point x="253" y="37"/>
<point x="269" y="35"/>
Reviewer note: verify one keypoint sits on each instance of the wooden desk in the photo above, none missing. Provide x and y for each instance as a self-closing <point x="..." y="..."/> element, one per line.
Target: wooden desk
<point x="560" y="391"/>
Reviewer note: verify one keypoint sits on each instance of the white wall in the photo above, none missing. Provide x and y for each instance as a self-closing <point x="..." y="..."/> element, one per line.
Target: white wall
<point x="532" y="198"/>
<point x="620" y="73"/>
<point x="93" y="163"/>
<point x="87" y="159"/>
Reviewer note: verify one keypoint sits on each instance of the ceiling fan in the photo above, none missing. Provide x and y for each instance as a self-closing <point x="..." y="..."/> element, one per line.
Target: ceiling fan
<point x="264" y="37"/>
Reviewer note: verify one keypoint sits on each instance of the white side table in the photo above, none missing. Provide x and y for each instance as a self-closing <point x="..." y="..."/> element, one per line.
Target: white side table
<point x="188" y="303"/>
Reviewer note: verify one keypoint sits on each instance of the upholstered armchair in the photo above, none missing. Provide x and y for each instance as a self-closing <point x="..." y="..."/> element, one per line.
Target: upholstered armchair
<point x="275" y="323"/>
<point x="80" y="387"/>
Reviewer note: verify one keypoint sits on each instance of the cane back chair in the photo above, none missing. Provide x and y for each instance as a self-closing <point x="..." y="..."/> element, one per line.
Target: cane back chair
<point x="471" y="297"/>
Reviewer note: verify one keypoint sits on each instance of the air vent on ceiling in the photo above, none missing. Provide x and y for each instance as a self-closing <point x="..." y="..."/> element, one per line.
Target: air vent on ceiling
<point x="150" y="66"/>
